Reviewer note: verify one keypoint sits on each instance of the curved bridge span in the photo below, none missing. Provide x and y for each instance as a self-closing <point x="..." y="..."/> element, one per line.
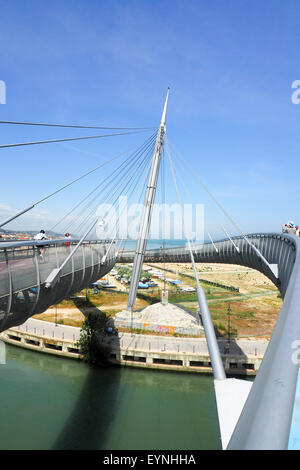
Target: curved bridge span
<point x="278" y="249"/>
<point x="25" y="266"/>
<point x="23" y="270"/>
<point x="266" y="417"/>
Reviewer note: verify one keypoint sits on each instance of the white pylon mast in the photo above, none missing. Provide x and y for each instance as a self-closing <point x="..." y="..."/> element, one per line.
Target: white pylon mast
<point x="147" y="210"/>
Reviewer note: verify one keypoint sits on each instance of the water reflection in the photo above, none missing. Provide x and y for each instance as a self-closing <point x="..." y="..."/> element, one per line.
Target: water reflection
<point x="48" y="363"/>
<point x="48" y="402"/>
<point x="94" y="411"/>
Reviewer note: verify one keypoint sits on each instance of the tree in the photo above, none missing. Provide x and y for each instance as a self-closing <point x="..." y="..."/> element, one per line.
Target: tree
<point x="89" y="342"/>
<point x="127" y="273"/>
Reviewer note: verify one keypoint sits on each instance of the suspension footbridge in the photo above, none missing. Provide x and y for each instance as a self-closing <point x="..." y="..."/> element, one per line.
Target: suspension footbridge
<point x="36" y="274"/>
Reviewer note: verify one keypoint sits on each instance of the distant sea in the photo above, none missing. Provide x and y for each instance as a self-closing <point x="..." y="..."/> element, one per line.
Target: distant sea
<point x="153" y="244"/>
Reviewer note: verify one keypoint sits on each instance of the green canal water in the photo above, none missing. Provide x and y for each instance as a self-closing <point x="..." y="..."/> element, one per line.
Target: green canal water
<point x="53" y="403"/>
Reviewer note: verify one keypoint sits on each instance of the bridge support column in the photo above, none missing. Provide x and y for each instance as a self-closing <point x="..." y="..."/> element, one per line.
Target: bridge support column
<point x="147" y="210"/>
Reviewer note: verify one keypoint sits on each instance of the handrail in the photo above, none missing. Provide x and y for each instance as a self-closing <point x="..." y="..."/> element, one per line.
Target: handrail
<point x="236" y="237"/>
<point x="271" y="399"/>
<point x="20" y="243"/>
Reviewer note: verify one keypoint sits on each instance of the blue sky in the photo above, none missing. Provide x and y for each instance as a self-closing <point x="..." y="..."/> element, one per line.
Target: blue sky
<point x="230" y="65"/>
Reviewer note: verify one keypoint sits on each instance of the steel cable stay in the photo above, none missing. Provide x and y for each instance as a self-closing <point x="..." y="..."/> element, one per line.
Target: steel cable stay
<point x="273" y="268"/>
<point x="142" y="193"/>
<point x="93" y="190"/>
<point x="117" y="192"/>
<point x="185" y="166"/>
<point x="135" y="183"/>
<point x="211" y="340"/>
<point x="64" y="217"/>
<point x="179" y="178"/>
<point x="54" y="275"/>
<point x="120" y="187"/>
<point x="48" y="196"/>
<point x="215" y="356"/>
<point x="104" y="185"/>
<point x="118" y="178"/>
<point x="73" y="126"/>
<point x="113" y="233"/>
<point x="121" y="242"/>
<point x="115" y="176"/>
<point x="182" y="169"/>
<point x="38" y="142"/>
<point x="180" y="175"/>
<point x="126" y="170"/>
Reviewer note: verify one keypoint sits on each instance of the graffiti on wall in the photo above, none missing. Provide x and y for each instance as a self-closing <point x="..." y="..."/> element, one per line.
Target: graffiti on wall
<point x="159" y="328"/>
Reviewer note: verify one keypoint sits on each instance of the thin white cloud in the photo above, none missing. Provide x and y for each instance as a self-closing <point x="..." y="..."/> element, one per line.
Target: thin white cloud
<point x="5" y="207"/>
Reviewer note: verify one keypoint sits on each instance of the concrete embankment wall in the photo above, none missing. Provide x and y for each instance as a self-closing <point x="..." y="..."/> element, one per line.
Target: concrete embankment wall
<point x="183" y="360"/>
<point x="155" y="352"/>
<point x="42" y="341"/>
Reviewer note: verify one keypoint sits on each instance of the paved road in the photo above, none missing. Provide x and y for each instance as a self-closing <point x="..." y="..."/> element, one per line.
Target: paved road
<point x="255" y="347"/>
<point x="49" y="330"/>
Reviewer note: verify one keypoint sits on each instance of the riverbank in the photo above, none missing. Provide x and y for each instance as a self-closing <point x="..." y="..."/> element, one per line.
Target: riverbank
<point x="137" y="350"/>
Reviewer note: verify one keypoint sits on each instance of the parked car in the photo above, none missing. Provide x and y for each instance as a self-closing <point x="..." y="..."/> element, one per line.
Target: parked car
<point x="156" y="273"/>
<point x="106" y="285"/>
<point x="143" y="286"/>
<point x="187" y="289"/>
<point x="93" y="285"/>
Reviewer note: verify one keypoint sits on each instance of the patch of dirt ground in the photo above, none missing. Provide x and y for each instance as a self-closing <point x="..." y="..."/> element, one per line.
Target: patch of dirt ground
<point x="254" y="310"/>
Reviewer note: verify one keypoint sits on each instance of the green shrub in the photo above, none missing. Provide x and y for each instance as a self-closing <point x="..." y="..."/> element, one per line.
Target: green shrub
<point x="89" y="342"/>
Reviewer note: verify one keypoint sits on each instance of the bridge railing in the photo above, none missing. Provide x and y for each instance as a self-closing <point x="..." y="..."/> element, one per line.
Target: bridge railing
<point x="26" y="264"/>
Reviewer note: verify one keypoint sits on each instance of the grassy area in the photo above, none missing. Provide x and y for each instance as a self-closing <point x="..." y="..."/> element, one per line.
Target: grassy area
<point x="254" y="310"/>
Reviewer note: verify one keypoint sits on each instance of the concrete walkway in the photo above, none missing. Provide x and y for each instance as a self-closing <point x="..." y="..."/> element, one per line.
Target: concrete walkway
<point x="252" y="347"/>
<point x="49" y="330"/>
<point x="140" y="342"/>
